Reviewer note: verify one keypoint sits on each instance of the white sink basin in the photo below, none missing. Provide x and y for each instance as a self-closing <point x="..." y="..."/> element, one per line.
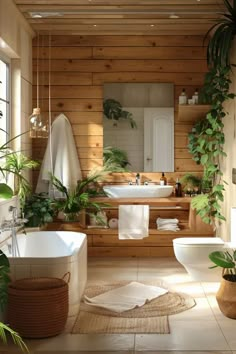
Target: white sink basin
<point x="143" y="191"/>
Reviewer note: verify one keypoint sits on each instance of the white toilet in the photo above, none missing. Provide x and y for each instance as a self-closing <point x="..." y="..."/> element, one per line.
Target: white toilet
<point x="193" y="252"/>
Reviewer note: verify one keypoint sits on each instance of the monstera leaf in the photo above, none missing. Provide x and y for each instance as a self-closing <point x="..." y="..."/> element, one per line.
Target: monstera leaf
<point x="5" y="191"/>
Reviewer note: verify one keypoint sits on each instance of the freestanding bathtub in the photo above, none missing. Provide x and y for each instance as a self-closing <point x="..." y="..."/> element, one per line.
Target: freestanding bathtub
<point x="52" y="254"/>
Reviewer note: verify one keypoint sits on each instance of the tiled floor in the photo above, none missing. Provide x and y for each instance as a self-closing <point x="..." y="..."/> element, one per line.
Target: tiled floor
<point x="200" y="330"/>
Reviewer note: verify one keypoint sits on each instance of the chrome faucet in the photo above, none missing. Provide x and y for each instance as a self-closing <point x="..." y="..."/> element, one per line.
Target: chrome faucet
<point x="137" y="179"/>
<point x="13" y="225"/>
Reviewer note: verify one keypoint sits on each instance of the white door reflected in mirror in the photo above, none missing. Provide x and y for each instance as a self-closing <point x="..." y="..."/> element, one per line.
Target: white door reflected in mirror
<point x="137" y="98"/>
<point x="159" y="139"/>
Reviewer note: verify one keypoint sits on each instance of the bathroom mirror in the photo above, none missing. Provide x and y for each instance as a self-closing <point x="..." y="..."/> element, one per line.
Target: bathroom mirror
<point x="149" y="146"/>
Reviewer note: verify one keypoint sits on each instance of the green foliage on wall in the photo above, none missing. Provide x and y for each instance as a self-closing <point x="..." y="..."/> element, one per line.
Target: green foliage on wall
<point x="206" y="144"/>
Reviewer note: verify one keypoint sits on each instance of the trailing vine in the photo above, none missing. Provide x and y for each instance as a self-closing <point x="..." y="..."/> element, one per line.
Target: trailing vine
<point x="206" y="144"/>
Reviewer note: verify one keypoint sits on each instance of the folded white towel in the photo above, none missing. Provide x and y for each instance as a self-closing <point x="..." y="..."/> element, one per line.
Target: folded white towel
<point x="133" y="221"/>
<point x="160" y="221"/>
<point x="168" y="227"/>
<point x="126" y="297"/>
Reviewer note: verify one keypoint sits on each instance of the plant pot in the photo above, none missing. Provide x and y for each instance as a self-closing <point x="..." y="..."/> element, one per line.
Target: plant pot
<point x="79" y="217"/>
<point x="226" y="296"/>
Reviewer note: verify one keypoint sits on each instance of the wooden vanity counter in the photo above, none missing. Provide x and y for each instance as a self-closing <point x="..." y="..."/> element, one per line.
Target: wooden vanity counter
<point x="105" y="242"/>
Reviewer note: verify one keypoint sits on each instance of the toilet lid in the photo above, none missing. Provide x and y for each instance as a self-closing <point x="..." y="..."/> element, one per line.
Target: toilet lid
<point x="200" y="241"/>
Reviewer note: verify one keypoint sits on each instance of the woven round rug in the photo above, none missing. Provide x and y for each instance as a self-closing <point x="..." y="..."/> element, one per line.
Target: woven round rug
<point x="168" y="304"/>
<point x="149" y="318"/>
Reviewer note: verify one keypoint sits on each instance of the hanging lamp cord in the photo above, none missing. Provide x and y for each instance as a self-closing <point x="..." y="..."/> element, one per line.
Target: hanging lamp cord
<point x="49" y="107"/>
<point x="37" y="63"/>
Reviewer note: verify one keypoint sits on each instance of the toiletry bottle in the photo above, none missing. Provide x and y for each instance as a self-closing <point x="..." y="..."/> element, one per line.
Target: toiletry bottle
<point x="183" y="97"/>
<point x="178" y="188"/>
<point x="195" y="96"/>
<point x="163" y="180"/>
<point x="137" y="179"/>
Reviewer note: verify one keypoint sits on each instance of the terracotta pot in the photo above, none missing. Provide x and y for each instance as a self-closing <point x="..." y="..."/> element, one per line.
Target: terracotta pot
<point x="226" y="296"/>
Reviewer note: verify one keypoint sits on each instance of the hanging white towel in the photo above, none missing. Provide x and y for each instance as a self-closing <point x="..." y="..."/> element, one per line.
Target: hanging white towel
<point x="60" y="158"/>
<point x="126" y="297"/>
<point x="133" y="221"/>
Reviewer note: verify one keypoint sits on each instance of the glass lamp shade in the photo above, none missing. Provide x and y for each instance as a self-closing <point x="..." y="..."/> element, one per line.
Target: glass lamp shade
<point x="37" y="128"/>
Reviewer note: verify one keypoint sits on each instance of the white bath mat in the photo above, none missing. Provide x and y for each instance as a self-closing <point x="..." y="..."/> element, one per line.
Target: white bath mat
<point x="126" y="297"/>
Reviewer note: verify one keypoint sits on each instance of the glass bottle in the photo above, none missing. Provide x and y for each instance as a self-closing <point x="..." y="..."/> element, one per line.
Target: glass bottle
<point x="195" y="96"/>
<point x="178" y="188"/>
<point x="183" y="97"/>
<point x="163" y="180"/>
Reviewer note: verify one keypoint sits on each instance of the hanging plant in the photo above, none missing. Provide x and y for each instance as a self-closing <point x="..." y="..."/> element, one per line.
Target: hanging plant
<point x="222" y="35"/>
<point x="112" y="109"/>
<point x="206" y="143"/>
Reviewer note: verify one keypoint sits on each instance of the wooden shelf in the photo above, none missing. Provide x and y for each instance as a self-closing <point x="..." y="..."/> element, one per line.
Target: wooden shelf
<point x="105" y="241"/>
<point x="192" y="113"/>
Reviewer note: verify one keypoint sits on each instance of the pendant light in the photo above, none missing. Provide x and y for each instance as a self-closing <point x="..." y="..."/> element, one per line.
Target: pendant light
<point x="37" y="128"/>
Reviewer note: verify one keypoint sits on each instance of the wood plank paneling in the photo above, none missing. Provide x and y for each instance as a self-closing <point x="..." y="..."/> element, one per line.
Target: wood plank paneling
<point x="72" y="104"/>
<point x="63" y="78"/>
<point x="77" y="81"/>
<point x="149" y="53"/>
<point x="87" y="129"/>
<point x="184" y="79"/>
<point x="82" y="117"/>
<point x="123" y="65"/>
<point x="65" y="91"/>
<point x="60" y="53"/>
<point x="120" y="41"/>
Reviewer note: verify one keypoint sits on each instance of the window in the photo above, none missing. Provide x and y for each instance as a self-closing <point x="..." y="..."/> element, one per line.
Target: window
<point x="4" y="102"/>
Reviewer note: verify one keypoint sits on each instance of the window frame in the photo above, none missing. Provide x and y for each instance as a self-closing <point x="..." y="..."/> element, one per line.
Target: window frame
<point x="6" y="61"/>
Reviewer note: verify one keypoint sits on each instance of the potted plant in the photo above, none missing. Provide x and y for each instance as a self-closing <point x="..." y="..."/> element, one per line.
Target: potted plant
<point x="191" y="184"/>
<point x="222" y="35"/>
<point x="38" y="210"/>
<point x="112" y="109"/>
<point x="4" y="281"/>
<point x="226" y="295"/>
<point x="73" y="202"/>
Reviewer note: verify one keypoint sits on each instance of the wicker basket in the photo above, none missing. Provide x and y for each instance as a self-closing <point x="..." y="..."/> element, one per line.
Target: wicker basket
<point x="38" y="307"/>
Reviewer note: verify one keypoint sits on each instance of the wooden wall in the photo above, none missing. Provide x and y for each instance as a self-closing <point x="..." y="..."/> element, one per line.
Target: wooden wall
<point x="80" y="65"/>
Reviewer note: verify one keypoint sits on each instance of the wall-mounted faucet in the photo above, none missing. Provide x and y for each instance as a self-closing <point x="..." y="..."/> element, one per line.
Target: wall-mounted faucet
<point x="137" y="179"/>
<point x="12" y="225"/>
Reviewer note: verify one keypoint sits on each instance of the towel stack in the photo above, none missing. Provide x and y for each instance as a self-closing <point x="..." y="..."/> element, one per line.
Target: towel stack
<point x="167" y="224"/>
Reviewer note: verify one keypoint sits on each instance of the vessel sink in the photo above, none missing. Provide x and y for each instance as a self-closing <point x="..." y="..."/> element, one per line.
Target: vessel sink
<point x="134" y="191"/>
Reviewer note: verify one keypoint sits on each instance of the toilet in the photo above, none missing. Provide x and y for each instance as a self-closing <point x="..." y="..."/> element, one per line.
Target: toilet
<point x="193" y="252"/>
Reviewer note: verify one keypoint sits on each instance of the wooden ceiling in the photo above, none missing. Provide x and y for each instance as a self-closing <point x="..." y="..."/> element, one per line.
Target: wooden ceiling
<point x="121" y="17"/>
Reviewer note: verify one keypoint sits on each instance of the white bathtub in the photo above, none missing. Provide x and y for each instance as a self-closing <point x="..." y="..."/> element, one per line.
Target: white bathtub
<point x="52" y="254"/>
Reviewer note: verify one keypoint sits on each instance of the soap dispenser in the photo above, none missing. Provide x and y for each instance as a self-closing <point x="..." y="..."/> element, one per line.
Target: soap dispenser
<point x="163" y="180"/>
<point x="183" y="97"/>
<point x="178" y="188"/>
<point x="195" y="96"/>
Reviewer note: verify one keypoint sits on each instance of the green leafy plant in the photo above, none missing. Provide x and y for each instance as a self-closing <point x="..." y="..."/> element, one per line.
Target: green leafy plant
<point x="225" y="260"/>
<point x="191" y="183"/>
<point x="112" y="109"/>
<point x="17" y="163"/>
<point x="206" y="143"/>
<point x="38" y="209"/>
<point x="74" y="201"/>
<point x="115" y="159"/>
<point x="5" y="191"/>
<point x="4" y="281"/>
<point x="222" y="35"/>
